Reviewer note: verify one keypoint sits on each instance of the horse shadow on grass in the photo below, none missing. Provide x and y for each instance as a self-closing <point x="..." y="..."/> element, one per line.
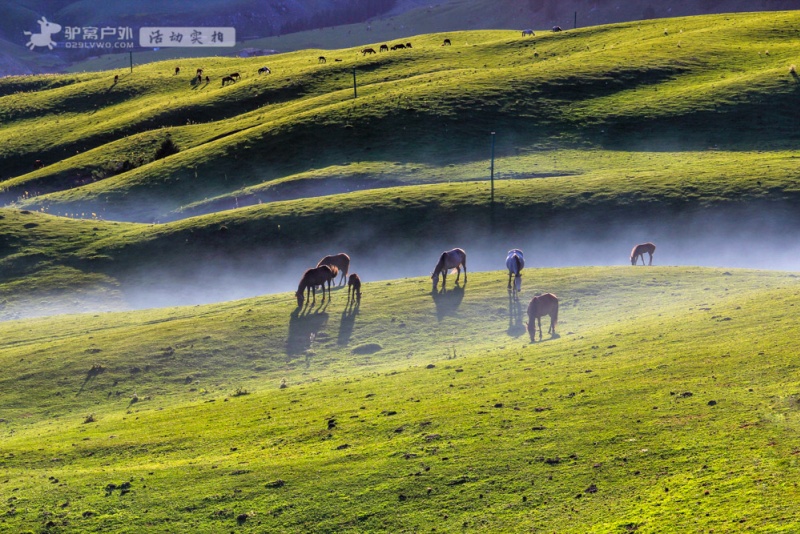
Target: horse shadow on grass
<point x="347" y="323"/>
<point x="90" y="376"/>
<point x="304" y="325"/>
<point x="447" y="301"/>
<point x="516" y="326"/>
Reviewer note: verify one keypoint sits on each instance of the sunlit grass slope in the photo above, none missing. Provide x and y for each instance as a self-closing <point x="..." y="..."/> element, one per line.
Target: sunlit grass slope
<point x="667" y="403"/>
<point x="717" y="81"/>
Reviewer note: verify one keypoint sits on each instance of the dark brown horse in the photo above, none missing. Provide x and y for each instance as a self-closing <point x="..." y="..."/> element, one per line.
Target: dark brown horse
<point x="540" y="305"/>
<point x="384" y="48"/>
<point x="641" y="250"/>
<point x="227" y="79"/>
<point x="452" y="259"/>
<point x="236" y="76"/>
<point x="341" y="261"/>
<point x="446" y="42"/>
<point x="354" y="287"/>
<point x="316" y="276"/>
<point x="321" y="59"/>
<point x="366" y="51"/>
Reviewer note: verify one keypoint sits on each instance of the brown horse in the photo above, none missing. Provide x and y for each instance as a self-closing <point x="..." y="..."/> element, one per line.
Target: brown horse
<point x="236" y="76"/>
<point x="316" y="276"/>
<point x="354" y="287"/>
<point x="641" y="250"/>
<point x="366" y="51"/>
<point x="321" y="59"/>
<point x="341" y="261"/>
<point x="227" y="79"/>
<point x="452" y="259"/>
<point x="446" y="42"/>
<point x="384" y="48"/>
<point x="398" y="46"/>
<point x="540" y="305"/>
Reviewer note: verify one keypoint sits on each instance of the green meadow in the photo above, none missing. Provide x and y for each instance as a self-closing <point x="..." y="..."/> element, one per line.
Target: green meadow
<point x="667" y="401"/>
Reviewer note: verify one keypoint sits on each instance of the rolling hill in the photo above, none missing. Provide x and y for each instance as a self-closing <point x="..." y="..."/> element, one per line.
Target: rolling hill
<point x="158" y="375"/>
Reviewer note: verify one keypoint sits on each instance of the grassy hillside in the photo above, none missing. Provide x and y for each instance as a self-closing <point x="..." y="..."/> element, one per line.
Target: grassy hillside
<point x="668" y="401"/>
<point x="693" y="83"/>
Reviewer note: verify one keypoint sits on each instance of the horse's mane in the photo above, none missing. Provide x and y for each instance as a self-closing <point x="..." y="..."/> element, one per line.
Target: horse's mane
<point x="440" y="263"/>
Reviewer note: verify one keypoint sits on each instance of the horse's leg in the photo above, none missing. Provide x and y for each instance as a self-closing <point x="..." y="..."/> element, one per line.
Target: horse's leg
<point x="540" y="327"/>
<point x="458" y="270"/>
<point x="464" y="263"/>
<point x="509" y="279"/>
<point x="651" y="258"/>
<point x="444" y="278"/>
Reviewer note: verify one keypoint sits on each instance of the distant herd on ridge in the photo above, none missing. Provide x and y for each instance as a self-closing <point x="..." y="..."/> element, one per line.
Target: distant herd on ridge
<point x="235" y="76"/>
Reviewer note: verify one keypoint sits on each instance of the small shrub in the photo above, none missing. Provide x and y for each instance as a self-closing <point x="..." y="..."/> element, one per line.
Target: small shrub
<point x="239" y="392"/>
<point x="89" y="419"/>
<point x="167" y="148"/>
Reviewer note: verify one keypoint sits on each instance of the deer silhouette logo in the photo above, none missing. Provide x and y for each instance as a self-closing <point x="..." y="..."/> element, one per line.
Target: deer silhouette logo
<point x="43" y="38"/>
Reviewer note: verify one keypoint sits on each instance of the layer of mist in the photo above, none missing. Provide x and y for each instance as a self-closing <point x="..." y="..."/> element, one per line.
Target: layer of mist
<point x="745" y="237"/>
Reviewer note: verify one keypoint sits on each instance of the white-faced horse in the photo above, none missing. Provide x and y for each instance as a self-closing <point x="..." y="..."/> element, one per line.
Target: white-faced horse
<point x="452" y="259"/>
<point x="641" y="250"/>
<point x="514" y="263"/>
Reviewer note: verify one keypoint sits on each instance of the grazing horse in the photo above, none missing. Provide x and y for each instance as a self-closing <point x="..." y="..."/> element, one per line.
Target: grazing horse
<point x="227" y="79"/>
<point x="354" y="287"/>
<point x="540" y="305"/>
<point x="321" y="59"/>
<point x="199" y="72"/>
<point x="264" y="70"/>
<point x="408" y="45"/>
<point x="384" y="48"/>
<point x="640" y="250"/>
<point x="316" y="276"/>
<point x="177" y="70"/>
<point x="116" y="78"/>
<point x="398" y="46"/>
<point x="446" y="42"/>
<point x="514" y="263"/>
<point x="341" y="261"/>
<point x="235" y="76"/>
<point x="366" y="51"/>
<point x="452" y="259"/>
<point x="556" y="28"/>
<point x="527" y="33"/>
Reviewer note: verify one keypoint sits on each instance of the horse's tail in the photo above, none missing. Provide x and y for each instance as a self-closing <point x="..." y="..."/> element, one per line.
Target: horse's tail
<point x="554" y="322"/>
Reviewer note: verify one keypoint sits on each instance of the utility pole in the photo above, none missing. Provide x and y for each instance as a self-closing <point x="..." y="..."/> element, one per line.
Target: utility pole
<point x="491" y="178"/>
<point x="355" y="91"/>
<point x="575" y="25"/>
<point x="130" y="54"/>
<point x="491" y="204"/>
